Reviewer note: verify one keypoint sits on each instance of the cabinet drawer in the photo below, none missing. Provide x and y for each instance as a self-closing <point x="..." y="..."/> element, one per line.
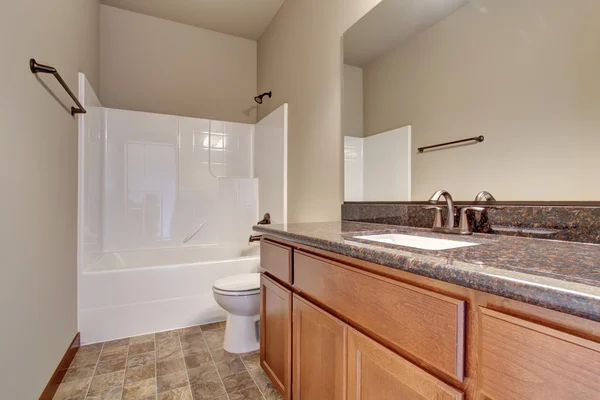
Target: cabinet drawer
<point x="276" y="259"/>
<point x="375" y="372"/>
<point x="427" y="325"/>
<point x="524" y="360"/>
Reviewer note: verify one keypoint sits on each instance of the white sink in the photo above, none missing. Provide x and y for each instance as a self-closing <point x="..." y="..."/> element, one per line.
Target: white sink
<point x="419" y="242"/>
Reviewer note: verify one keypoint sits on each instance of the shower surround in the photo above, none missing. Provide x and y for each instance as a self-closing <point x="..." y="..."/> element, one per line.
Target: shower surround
<point x="149" y="181"/>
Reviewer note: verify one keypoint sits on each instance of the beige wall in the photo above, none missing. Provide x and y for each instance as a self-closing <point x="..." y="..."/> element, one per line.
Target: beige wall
<point x="352" y="101"/>
<point x="300" y="60"/>
<point x="523" y="74"/>
<point x="38" y="151"/>
<point x="154" y="65"/>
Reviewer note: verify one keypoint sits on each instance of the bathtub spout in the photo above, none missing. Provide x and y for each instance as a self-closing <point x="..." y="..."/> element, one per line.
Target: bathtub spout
<point x="254" y="238"/>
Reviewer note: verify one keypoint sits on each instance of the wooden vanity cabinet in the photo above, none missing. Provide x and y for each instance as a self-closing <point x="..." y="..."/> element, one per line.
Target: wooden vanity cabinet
<point x="276" y="334"/>
<point x="333" y="327"/>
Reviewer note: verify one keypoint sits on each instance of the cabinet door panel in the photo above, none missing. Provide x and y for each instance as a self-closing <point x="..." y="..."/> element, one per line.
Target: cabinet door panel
<point x="276" y="334"/>
<point x="319" y="354"/>
<point x="376" y="373"/>
<point x="525" y="360"/>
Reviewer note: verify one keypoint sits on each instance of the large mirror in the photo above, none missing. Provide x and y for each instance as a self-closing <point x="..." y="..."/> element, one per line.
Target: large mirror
<point x="523" y="74"/>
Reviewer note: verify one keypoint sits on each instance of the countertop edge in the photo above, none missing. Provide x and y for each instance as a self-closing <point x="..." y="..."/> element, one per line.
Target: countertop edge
<point x="547" y="296"/>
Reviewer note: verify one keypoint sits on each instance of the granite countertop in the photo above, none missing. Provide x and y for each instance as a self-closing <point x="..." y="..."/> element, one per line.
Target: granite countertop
<point x="563" y="276"/>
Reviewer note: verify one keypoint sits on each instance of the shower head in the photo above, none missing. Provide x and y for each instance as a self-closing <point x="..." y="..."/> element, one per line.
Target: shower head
<point x="259" y="98"/>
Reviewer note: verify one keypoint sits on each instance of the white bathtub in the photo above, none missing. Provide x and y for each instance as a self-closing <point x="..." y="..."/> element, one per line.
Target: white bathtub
<point x="131" y="293"/>
<point x="171" y="257"/>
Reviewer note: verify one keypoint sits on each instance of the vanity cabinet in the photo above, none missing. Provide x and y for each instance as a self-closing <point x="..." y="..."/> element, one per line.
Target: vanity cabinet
<point x="334" y="327"/>
<point x="276" y="334"/>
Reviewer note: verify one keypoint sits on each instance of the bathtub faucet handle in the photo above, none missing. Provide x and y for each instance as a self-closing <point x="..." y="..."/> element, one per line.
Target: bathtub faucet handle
<point x="266" y="220"/>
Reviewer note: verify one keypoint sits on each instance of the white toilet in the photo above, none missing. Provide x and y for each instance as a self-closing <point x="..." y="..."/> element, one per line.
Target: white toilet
<point x="239" y="295"/>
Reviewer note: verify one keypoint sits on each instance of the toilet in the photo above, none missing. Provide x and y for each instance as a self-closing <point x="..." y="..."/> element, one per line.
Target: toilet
<point x="239" y="295"/>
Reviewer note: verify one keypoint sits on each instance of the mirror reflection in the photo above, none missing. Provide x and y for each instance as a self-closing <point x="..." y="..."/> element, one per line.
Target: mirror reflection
<point x="523" y="74"/>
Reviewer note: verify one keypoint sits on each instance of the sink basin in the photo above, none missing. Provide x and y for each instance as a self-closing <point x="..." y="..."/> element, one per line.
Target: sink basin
<point x="419" y="242"/>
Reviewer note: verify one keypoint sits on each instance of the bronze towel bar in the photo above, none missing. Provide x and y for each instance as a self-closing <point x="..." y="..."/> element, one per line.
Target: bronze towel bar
<point x="35" y="68"/>
<point x="476" y="138"/>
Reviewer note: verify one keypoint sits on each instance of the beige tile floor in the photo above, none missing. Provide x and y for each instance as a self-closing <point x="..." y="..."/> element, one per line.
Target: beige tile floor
<point x="184" y="364"/>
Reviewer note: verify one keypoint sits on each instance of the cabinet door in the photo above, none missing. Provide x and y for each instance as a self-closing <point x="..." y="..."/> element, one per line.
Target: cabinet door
<point x="276" y="334"/>
<point x="319" y="366"/>
<point x="376" y="373"/>
<point x="525" y="360"/>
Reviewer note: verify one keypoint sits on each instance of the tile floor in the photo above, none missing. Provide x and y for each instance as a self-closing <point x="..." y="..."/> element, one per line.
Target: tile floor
<point x="184" y="364"/>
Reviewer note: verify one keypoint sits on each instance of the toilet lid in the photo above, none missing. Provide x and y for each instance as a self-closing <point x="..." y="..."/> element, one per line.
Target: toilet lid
<point x="238" y="283"/>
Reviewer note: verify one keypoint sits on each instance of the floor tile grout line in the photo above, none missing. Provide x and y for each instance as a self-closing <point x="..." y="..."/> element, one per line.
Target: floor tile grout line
<point x="125" y="373"/>
<point x="215" y="364"/>
<point x="94" y="373"/>
<point x="189" y="385"/>
<point x="252" y="377"/>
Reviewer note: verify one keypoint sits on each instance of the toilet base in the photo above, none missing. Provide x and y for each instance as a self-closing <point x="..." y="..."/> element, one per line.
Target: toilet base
<point x="241" y="334"/>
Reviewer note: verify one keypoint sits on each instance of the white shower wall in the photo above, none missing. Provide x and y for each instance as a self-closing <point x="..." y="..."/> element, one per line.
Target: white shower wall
<point x="92" y="131"/>
<point x="149" y="180"/>
<point x="353" y="168"/>
<point x="165" y="175"/>
<point x="378" y="167"/>
<point x="270" y="164"/>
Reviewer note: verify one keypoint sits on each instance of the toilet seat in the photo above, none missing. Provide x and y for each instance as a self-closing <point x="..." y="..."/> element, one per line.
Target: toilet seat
<point x="238" y="285"/>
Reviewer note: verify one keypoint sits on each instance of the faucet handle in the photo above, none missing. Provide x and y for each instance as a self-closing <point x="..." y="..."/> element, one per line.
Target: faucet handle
<point x="463" y="225"/>
<point x="437" y="221"/>
<point x="266" y="220"/>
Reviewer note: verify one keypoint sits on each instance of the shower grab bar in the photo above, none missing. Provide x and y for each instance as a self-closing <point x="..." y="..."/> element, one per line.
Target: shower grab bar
<point x="35" y="68"/>
<point x="191" y="235"/>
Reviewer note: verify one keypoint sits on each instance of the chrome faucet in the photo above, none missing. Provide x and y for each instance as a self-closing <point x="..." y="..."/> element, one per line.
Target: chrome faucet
<point x="435" y="198"/>
<point x="484" y="196"/>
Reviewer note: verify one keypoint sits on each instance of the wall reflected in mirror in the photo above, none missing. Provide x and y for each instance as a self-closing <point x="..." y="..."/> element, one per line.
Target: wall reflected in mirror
<point x="524" y="74"/>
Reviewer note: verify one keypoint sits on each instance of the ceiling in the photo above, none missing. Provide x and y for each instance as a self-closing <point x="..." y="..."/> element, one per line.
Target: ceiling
<point x="390" y="23"/>
<point x="243" y="18"/>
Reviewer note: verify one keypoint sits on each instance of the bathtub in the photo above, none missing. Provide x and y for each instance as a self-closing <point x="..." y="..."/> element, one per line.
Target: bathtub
<point x="130" y="293"/>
